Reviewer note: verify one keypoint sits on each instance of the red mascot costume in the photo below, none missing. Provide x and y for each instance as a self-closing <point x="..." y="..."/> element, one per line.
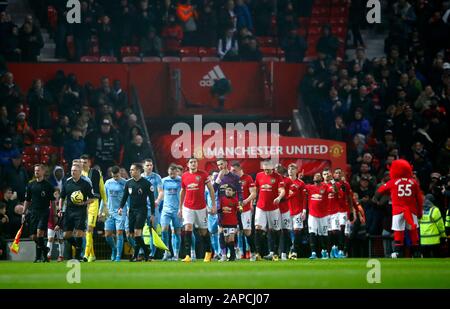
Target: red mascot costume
<point x="407" y="203"/>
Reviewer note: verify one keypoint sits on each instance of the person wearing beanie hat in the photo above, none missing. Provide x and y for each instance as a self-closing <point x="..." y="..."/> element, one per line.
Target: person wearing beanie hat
<point x="432" y="230"/>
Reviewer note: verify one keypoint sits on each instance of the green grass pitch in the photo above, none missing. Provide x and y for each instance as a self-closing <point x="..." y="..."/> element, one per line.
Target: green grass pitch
<point x="346" y="273"/>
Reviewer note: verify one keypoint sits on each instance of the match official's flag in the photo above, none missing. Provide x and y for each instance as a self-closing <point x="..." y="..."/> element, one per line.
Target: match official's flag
<point x="157" y="241"/>
<point x="15" y="245"/>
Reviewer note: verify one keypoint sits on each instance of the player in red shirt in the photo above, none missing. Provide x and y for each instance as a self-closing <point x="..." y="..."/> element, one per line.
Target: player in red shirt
<point x="333" y="217"/>
<point x="407" y="203"/>
<point x="297" y="208"/>
<point x="228" y="219"/>
<point x="53" y="230"/>
<point x="248" y="196"/>
<point x="270" y="189"/>
<point x="318" y="215"/>
<point x="193" y="208"/>
<point x="286" y="222"/>
<point x="345" y="207"/>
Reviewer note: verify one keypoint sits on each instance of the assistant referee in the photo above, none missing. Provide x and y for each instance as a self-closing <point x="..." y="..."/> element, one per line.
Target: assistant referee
<point x="38" y="196"/>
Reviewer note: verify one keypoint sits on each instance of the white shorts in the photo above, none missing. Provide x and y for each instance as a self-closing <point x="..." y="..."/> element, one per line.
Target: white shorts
<point x="286" y="221"/>
<point x="347" y="228"/>
<point x="342" y="218"/>
<point x="198" y="218"/>
<point x="297" y="221"/>
<point x="319" y="226"/>
<point x="399" y="222"/>
<point x="227" y="231"/>
<point x="272" y="219"/>
<point x="246" y="219"/>
<point x="53" y="234"/>
<point x="333" y="222"/>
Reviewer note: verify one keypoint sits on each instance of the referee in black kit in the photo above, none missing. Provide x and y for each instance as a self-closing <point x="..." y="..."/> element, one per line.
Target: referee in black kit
<point x="139" y="191"/>
<point x="75" y="216"/>
<point x="38" y="196"/>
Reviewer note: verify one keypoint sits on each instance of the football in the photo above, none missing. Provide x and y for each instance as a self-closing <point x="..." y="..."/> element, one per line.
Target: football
<point x="77" y="197"/>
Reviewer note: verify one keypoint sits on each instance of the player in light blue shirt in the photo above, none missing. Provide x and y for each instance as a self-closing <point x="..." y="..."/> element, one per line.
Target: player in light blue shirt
<point x="213" y="222"/>
<point x="171" y="186"/>
<point x="155" y="180"/>
<point x="114" y="191"/>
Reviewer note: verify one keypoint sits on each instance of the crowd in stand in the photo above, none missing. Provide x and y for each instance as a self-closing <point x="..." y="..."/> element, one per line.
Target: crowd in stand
<point x="85" y="119"/>
<point x="159" y="28"/>
<point x="391" y="107"/>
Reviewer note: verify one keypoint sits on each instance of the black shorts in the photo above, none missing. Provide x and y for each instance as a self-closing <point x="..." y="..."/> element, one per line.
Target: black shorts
<point x="38" y="220"/>
<point x="75" y="219"/>
<point x="136" y="220"/>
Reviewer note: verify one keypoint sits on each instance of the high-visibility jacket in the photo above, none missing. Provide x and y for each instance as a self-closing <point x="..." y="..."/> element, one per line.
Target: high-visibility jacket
<point x="447" y="222"/>
<point x="431" y="227"/>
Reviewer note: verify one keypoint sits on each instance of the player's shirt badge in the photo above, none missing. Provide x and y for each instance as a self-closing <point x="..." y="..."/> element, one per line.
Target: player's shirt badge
<point x="139" y="191"/>
<point x="272" y="180"/>
<point x="130" y="190"/>
<point x="197" y="178"/>
<point x="43" y="193"/>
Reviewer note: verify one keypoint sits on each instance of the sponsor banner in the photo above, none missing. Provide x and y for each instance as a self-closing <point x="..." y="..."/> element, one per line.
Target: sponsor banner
<point x="310" y="154"/>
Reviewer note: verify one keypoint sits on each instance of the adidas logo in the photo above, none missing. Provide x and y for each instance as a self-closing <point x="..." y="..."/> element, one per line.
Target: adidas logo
<point x="215" y="74"/>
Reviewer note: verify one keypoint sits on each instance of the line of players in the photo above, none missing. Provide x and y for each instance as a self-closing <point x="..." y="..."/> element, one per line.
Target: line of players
<point x="181" y="201"/>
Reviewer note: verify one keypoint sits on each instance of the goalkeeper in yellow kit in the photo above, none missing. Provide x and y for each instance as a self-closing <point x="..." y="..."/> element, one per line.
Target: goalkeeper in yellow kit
<point x="98" y="186"/>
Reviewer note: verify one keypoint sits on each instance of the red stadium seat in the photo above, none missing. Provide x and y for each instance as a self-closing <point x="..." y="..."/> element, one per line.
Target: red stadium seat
<point x="320" y="12"/>
<point x="302" y="31"/>
<point x="317" y="30"/>
<point x="339" y="11"/>
<point x="48" y="150"/>
<point x="129" y="51"/>
<point x="52" y="17"/>
<point x="189" y="51"/>
<point x="108" y="59"/>
<point x="94" y="47"/>
<point x="44" y="132"/>
<point x="89" y="59"/>
<point x="131" y="59"/>
<point x="30" y="159"/>
<point x="30" y="150"/>
<point x="322" y="3"/>
<point x="44" y="159"/>
<point x="269" y="51"/>
<point x="70" y="44"/>
<point x="151" y="59"/>
<point x="304" y="21"/>
<point x="270" y="59"/>
<point x="338" y="21"/>
<point x="171" y="59"/>
<point x="266" y="41"/>
<point x="318" y="21"/>
<point x="43" y="140"/>
<point x="190" y="59"/>
<point x="210" y="59"/>
<point x="207" y="52"/>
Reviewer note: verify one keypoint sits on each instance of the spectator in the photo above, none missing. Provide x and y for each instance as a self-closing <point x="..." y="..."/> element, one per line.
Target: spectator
<point x="61" y="131"/>
<point x="287" y="20"/>
<point x="15" y="219"/>
<point x="338" y="131"/>
<point x="358" y="233"/>
<point x="294" y="47"/>
<point x="208" y="26"/>
<point x="4" y="121"/>
<point x="422" y="168"/>
<point x="120" y="96"/>
<point x="75" y="146"/>
<point x="328" y="44"/>
<point x="125" y="29"/>
<point x="106" y="38"/>
<point x="7" y="151"/>
<point x="443" y="157"/>
<point x="23" y="129"/>
<point x="57" y="177"/>
<point x="15" y="175"/>
<point x="227" y="17"/>
<point x="145" y="18"/>
<point x="243" y="16"/>
<point x="10" y="94"/>
<point x="172" y="35"/>
<point x="228" y="46"/>
<point x="364" y="173"/>
<point x="359" y="125"/>
<point x="356" y="19"/>
<point x="263" y="16"/>
<point x="4" y="221"/>
<point x="127" y="128"/>
<point x="104" y="146"/>
<point x="11" y="46"/>
<point x="136" y="152"/>
<point x="151" y="44"/>
<point x="30" y="42"/>
<point x="39" y="99"/>
<point x="187" y="16"/>
<point x="252" y="52"/>
<point x="361" y="59"/>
